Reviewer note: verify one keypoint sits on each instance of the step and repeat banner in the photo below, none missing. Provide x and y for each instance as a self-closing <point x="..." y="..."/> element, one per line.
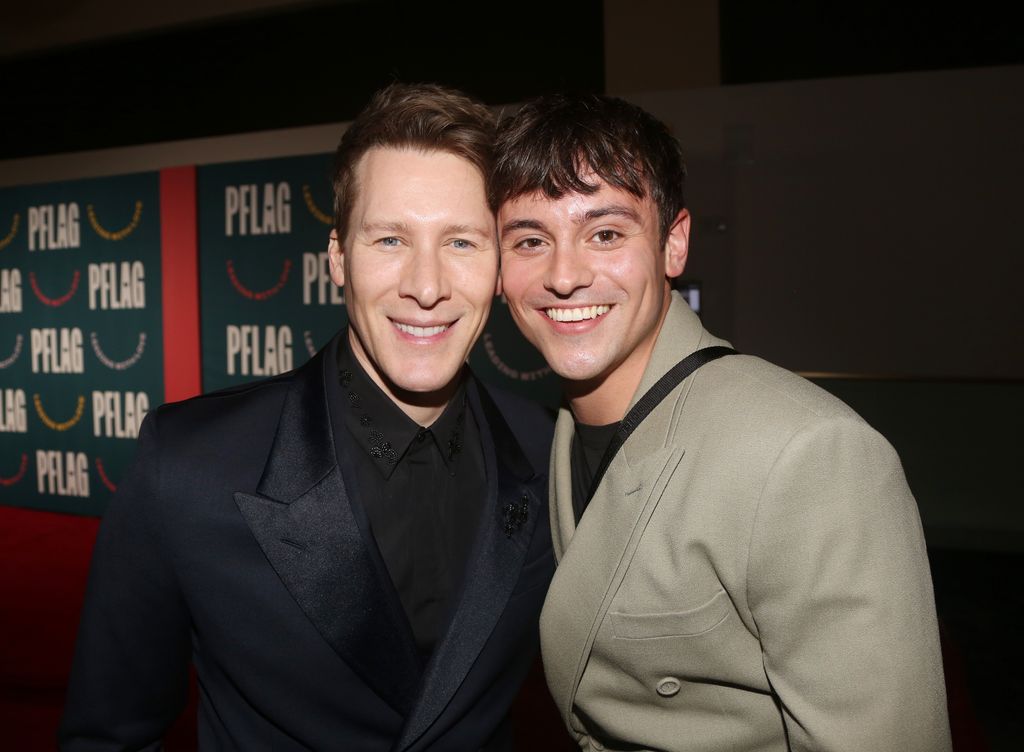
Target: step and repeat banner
<point x="81" y="316"/>
<point x="266" y="297"/>
<point x="81" y="356"/>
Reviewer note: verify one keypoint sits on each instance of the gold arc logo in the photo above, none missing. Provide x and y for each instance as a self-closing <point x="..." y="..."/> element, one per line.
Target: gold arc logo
<point x="6" y="239"/>
<point x="51" y="423"/>
<point x="315" y="210"/>
<point x="114" y="234"/>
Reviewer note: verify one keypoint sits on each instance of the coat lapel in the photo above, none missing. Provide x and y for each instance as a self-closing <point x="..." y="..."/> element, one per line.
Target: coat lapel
<point x="306" y="524"/>
<point x="593" y="557"/>
<point x="493" y="568"/>
<point x="595" y="561"/>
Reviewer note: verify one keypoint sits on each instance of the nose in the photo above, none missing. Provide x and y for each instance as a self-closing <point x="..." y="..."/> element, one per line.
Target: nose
<point x="567" y="271"/>
<point x="424" y="278"/>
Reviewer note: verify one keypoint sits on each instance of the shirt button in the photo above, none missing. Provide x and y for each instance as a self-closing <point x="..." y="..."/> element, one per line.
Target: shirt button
<point x="668" y="687"/>
<point x="421" y="435"/>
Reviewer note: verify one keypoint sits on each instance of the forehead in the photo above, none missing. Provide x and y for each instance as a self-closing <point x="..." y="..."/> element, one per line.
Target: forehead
<point x="383" y="164"/>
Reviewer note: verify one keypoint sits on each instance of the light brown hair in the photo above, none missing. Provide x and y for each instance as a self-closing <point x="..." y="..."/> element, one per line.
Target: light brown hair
<point x="426" y="117"/>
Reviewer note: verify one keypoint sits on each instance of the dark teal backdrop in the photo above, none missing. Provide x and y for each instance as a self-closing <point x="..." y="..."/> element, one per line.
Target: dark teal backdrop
<point x="81" y="346"/>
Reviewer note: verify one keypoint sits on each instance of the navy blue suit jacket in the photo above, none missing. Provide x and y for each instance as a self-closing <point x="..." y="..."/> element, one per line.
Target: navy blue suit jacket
<point x="238" y="541"/>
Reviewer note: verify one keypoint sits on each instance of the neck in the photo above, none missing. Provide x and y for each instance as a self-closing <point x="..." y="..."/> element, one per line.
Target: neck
<point x="422" y="407"/>
<point x="605" y="399"/>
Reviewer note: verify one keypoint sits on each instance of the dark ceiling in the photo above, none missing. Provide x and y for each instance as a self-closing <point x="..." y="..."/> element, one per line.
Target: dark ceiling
<point x="318" y="63"/>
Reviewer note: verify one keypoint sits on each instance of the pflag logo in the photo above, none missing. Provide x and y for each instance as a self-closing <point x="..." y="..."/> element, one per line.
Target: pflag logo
<point x="60" y="300"/>
<point x="270" y="292"/>
<point x="11" y="359"/>
<point x="7" y="239"/>
<point x="121" y="234"/>
<point x="505" y="369"/>
<point x="59" y="426"/>
<point x="11" y="480"/>
<point x="104" y="478"/>
<point x="321" y="216"/>
<point x="117" y="365"/>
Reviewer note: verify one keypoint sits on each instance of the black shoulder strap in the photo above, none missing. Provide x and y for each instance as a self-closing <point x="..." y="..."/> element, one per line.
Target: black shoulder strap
<point x="650" y="400"/>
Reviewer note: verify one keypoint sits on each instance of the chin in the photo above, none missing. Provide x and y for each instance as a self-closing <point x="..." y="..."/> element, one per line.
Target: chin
<point x="425" y="383"/>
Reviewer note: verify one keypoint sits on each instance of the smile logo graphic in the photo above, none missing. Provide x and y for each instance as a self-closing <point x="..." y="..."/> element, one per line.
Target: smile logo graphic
<point x="9" y="237"/>
<point x="114" y="234"/>
<point x="270" y="292"/>
<point x="51" y="423"/>
<point x="104" y="478"/>
<point x="10" y="480"/>
<point x="315" y="210"/>
<point x="55" y="302"/>
<point x="117" y="365"/>
<point x="10" y="359"/>
<point x="507" y="370"/>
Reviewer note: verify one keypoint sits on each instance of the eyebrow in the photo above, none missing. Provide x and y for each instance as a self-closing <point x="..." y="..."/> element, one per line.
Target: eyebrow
<point x="465" y="230"/>
<point x="403" y="228"/>
<point x="613" y="210"/>
<point x="521" y="224"/>
<point x="399" y="227"/>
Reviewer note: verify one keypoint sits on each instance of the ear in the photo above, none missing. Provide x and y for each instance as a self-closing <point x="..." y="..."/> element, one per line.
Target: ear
<point x="336" y="257"/>
<point x="677" y="244"/>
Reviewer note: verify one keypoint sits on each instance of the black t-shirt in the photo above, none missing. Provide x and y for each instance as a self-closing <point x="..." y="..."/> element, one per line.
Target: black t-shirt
<point x="588" y="446"/>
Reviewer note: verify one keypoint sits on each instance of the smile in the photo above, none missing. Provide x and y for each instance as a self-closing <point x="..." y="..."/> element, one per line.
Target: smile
<point x="420" y="331"/>
<point x="577" y="314"/>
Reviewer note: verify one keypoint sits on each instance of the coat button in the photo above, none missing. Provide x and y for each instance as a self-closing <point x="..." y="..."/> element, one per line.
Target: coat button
<point x="668" y="686"/>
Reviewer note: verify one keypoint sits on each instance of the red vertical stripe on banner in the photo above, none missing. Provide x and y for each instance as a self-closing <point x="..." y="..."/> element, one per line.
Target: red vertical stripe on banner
<point x="179" y="271"/>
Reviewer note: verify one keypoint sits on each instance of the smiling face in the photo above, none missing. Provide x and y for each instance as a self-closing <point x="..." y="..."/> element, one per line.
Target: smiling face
<point x="420" y="270"/>
<point x="586" y="278"/>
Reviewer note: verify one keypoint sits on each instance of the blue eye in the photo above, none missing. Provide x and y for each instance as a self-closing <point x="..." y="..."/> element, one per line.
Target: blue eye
<point x="462" y="244"/>
<point x="389" y="242"/>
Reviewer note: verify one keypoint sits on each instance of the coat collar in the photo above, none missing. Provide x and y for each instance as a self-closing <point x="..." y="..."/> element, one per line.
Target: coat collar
<point x="316" y="538"/>
<point x="593" y="558"/>
<point x="681" y="334"/>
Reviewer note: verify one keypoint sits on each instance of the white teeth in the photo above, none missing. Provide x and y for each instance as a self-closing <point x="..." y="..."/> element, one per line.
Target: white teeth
<point x="420" y="331"/>
<point x="577" y="314"/>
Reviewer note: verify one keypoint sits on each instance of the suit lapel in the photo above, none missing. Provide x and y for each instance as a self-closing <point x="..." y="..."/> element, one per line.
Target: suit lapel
<point x="595" y="561"/>
<point x="306" y="524"/>
<point x="492" y="570"/>
<point x="593" y="557"/>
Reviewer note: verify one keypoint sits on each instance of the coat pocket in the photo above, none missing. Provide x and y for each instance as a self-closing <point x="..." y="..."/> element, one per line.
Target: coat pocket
<point x="692" y="622"/>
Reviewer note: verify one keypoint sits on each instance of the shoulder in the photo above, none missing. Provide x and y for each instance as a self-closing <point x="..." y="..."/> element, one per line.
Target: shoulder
<point x="750" y="412"/>
<point x="532" y="424"/>
<point x="210" y="425"/>
<point x="756" y="388"/>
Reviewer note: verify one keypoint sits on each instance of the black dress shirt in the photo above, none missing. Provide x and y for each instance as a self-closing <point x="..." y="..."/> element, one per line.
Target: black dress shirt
<point x="422" y="488"/>
<point x="588" y="446"/>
